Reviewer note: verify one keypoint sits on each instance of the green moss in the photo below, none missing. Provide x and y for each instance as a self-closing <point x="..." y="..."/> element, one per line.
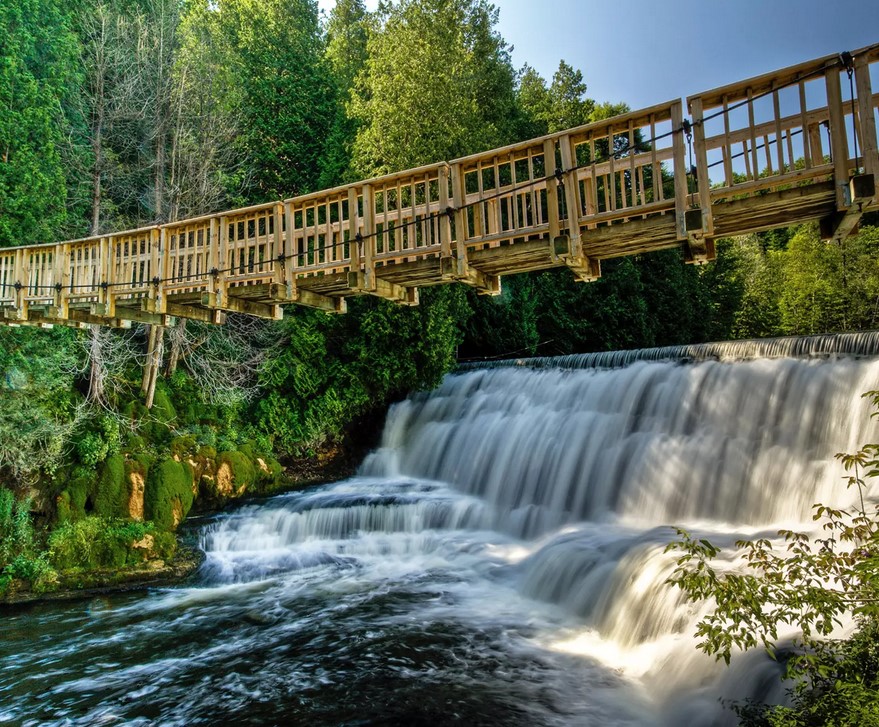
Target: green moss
<point x="145" y="461"/>
<point x="63" y="509"/>
<point x="246" y="449"/>
<point x="73" y="502"/>
<point x="135" y="444"/>
<point x="97" y="542"/>
<point x="207" y="452"/>
<point x="163" y="409"/>
<point x="183" y="446"/>
<point x="110" y="495"/>
<point x="168" y="493"/>
<point x="244" y="473"/>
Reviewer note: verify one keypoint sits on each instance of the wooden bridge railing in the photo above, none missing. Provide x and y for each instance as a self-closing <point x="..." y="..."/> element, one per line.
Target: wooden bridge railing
<point x="781" y="148"/>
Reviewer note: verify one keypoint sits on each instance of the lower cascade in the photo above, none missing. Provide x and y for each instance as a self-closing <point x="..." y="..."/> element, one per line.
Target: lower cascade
<point x="499" y="559"/>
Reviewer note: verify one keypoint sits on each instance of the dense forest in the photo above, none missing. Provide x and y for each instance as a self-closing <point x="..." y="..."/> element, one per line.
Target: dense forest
<point x="122" y="114"/>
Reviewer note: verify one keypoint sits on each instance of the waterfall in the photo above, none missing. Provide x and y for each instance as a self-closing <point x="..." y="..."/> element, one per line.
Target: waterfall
<point x="560" y="478"/>
<point x="500" y="559"/>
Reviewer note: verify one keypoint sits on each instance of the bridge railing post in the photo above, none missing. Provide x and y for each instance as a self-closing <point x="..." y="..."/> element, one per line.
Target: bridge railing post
<point x="368" y="242"/>
<point x="680" y="171"/>
<point x="278" y="246"/>
<point x="703" y="181"/>
<point x="445" y="224"/>
<point x="552" y="195"/>
<point x="61" y="281"/>
<point x="869" y="145"/>
<point x="838" y="139"/>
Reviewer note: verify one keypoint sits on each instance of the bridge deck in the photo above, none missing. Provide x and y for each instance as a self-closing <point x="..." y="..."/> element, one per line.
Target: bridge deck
<point x="783" y="148"/>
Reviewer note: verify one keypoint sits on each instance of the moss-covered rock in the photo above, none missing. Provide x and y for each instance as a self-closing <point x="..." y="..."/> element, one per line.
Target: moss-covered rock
<point x="135" y="480"/>
<point x="181" y="447"/>
<point x="234" y="474"/>
<point x="98" y="542"/>
<point x="163" y="409"/>
<point x="110" y="494"/>
<point x="168" y="493"/>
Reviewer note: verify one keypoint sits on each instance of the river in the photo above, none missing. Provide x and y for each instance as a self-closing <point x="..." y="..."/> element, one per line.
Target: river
<point x="499" y="560"/>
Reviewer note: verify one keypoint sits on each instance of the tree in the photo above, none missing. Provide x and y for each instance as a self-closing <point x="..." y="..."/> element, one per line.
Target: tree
<point x="347" y="33"/>
<point x="438" y="84"/>
<point x="282" y="85"/>
<point x="37" y="67"/>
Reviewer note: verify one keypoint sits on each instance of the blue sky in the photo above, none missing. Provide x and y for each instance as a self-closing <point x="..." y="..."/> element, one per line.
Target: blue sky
<point x="648" y="51"/>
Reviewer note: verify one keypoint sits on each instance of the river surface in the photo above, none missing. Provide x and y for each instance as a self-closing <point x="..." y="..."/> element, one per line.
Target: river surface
<point x="498" y="561"/>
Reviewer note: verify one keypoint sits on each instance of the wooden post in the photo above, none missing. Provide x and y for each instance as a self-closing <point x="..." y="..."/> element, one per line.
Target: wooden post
<point x="552" y="194"/>
<point x="369" y="242"/>
<point x="62" y="279"/>
<point x="291" y="260"/>
<point x="461" y="224"/>
<point x="22" y="282"/>
<point x="702" y="167"/>
<point x="869" y="147"/>
<point x="278" y="247"/>
<point x="680" y="170"/>
<point x="445" y="224"/>
<point x="838" y="141"/>
<point x="572" y="196"/>
<point x="220" y="286"/>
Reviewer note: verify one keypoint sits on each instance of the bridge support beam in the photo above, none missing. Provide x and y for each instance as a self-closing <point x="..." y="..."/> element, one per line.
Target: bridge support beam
<point x="456" y="270"/>
<point x="291" y="293"/>
<point x="587" y="269"/>
<point x="860" y="192"/>
<point x="699" y="247"/>
<point x="239" y="305"/>
<point x="359" y="282"/>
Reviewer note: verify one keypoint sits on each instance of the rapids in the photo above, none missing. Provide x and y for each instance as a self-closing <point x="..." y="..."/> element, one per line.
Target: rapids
<point x="499" y="560"/>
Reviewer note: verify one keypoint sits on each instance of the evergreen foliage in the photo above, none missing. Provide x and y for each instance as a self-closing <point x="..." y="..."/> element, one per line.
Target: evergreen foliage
<point x="37" y="66"/>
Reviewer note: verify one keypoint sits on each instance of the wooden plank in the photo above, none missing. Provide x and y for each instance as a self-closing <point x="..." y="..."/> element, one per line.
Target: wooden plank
<point x="680" y="172"/>
<point x="704" y="181"/>
<point x="239" y="305"/>
<point x="838" y="142"/>
<point x="358" y="283"/>
<point x="869" y="146"/>
<point x="445" y="222"/>
<point x="369" y="242"/>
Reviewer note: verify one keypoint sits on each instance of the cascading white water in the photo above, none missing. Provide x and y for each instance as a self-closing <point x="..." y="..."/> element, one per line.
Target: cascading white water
<point x="558" y="486"/>
<point x="499" y="560"/>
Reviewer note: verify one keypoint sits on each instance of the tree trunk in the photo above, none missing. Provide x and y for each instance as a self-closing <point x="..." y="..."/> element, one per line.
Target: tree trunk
<point x="154" y="362"/>
<point x="97" y="370"/>
<point x="176" y="335"/>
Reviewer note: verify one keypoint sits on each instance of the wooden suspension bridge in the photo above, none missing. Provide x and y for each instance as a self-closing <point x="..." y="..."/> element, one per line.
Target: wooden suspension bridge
<point x="783" y="148"/>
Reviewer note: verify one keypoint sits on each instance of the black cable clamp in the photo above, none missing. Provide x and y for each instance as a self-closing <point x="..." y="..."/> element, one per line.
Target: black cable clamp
<point x="215" y="272"/>
<point x="358" y="237"/>
<point x="687" y="128"/>
<point x="848" y="62"/>
<point x="156" y="281"/>
<point x="18" y="285"/>
<point x="450" y="212"/>
<point x="105" y="285"/>
<point x="281" y="257"/>
<point x="559" y="175"/>
<point x="58" y="287"/>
